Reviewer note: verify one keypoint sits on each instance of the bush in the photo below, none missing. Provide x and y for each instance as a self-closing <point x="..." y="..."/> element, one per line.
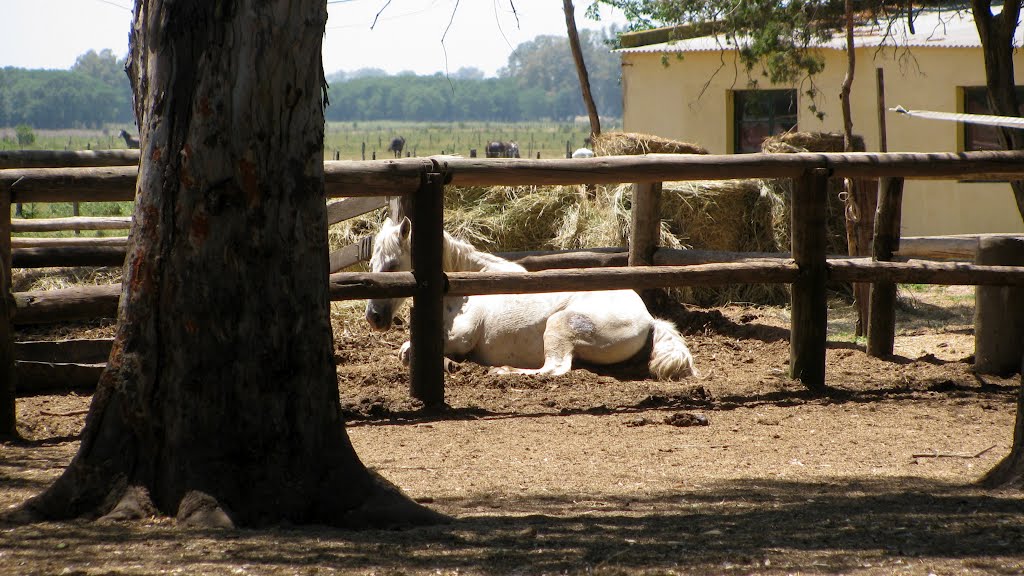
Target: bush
<point x="26" y="137"/>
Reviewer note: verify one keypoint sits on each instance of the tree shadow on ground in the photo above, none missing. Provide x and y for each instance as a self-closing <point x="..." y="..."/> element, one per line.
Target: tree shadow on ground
<point x="764" y="526"/>
<point x="692" y="398"/>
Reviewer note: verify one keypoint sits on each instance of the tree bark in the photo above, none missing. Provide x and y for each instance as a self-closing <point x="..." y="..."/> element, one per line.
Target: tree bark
<point x="1010" y="470"/>
<point x="996" y="32"/>
<point x="220" y="403"/>
<point x="997" y="44"/>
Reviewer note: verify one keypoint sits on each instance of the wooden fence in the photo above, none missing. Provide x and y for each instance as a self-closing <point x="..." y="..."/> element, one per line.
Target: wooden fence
<point x="422" y="182"/>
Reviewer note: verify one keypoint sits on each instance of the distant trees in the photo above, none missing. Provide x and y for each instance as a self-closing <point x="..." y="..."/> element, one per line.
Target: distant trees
<point x="533" y="86"/>
<point x="93" y="93"/>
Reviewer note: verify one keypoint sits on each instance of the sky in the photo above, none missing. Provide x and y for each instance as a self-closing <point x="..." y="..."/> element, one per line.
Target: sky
<point x="407" y="35"/>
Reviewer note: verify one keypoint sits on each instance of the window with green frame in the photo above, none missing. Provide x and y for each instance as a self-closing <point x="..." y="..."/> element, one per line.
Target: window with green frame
<point x="758" y="114"/>
<point x="977" y="136"/>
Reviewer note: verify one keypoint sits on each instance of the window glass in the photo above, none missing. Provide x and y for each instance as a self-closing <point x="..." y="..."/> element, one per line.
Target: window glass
<point x="977" y="136"/>
<point x="760" y="114"/>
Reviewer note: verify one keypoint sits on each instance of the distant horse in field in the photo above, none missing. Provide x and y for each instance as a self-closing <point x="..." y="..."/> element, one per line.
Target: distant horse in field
<point x="129" y="140"/>
<point x="498" y="149"/>
<point x="531" y="333"/>
<point x="396" y="146"/>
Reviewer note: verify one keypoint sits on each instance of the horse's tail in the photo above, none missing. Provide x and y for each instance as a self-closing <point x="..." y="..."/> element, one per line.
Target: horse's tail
<point x="670" y="358"/>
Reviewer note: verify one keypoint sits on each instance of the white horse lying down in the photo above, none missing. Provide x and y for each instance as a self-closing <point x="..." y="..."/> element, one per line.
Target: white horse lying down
<point x="531" y="333"/>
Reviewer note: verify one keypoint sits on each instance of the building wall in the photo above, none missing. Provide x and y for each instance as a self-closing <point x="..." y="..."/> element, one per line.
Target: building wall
<point x="690" y="100"/>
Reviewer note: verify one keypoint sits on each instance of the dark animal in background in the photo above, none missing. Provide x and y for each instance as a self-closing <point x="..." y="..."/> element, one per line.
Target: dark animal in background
<point x="396" y="146"/>
<point x="129" y="140"/>
<point x="497" y="149"/>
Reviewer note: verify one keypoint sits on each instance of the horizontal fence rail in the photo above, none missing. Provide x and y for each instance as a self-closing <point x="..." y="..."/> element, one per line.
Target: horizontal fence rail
<point x="71" y="223"/>
<point x="403" y="176"/>
<point x="67" y="158"/>
<point x="63" y="305"/>
<point x="365" y="186"/>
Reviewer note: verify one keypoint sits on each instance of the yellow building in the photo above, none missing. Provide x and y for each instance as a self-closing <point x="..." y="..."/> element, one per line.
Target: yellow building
<point x="695" y="90"/>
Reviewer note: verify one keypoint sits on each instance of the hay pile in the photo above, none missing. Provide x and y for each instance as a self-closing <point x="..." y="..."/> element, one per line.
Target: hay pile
<point x="796" y="142"/>
<point x="737" y="215"/>
<point x="632" y="144"/>
<point x="792" y="142"/>
<point x="730" y="215"/>
<point x="517" y="218"/>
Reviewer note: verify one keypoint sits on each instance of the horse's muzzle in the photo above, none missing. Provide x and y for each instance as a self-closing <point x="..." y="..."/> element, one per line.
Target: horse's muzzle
<point x="377" y="318"/>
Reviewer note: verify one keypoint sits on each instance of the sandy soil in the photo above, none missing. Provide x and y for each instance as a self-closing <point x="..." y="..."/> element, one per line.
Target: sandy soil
<point x="599" y="473"/>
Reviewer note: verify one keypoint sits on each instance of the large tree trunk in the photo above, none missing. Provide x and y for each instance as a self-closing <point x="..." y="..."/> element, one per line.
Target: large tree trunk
<point x="996" y="32"/>
<point x="1010" y="470"/>
<point x="220" y="401"/>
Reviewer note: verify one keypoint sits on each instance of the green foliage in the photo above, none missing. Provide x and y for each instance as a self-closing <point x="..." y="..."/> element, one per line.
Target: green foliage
<point x="539" y="83"/>
<point x="26" y="137"/>
<point x="772" y="36"/>
<point x="63" y="98"/>
<point x="102" y="66"/>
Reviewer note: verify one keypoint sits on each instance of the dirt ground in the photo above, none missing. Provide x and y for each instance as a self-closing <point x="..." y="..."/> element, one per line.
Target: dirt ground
<point x="600" y="473"/>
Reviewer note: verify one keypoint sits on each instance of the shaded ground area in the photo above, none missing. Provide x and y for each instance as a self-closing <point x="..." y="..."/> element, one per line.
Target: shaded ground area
<point x="594" y="472"/>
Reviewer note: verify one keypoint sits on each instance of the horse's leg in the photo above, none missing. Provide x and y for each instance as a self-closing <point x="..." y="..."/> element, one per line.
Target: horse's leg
<point x="460" y="335"/>
<point x="562" y="333"/>
<point x="405" y="355"/>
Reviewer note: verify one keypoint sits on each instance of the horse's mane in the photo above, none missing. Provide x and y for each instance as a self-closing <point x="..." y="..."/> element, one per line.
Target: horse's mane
<point x="461" y="256"/>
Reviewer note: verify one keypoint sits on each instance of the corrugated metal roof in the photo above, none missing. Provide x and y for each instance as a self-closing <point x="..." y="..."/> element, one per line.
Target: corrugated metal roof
<point x="944" y="29"/>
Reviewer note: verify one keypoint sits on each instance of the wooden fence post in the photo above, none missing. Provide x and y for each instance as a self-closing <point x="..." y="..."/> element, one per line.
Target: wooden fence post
<point x="999" y="310"/>
<point x="646" y="224"/>
<point x="8" y="392"/>
<point x="426" y="326"/>
<point x="882" y="303"/>
<point x="809" y="310"/>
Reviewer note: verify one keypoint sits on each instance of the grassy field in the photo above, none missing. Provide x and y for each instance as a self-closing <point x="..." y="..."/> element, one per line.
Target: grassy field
<point x="366" y="140"/>
<point x="342" y="140"/>
<point x="548" y="139"/>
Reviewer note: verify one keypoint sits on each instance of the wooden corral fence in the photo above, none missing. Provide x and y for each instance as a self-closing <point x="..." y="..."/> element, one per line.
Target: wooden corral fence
<point x="422" y="181"/>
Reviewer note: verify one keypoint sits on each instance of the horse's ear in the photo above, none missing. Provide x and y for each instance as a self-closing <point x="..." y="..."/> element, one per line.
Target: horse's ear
<point x="406" y="227"/>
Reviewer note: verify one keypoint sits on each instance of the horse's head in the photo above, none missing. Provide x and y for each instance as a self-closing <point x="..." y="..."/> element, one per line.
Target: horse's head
<point x="391" y="253"/>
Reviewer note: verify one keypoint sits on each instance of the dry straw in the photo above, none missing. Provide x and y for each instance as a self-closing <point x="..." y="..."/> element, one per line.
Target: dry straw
<point x="730" y="215"/>
<point x="30" y="279"/>
<point x="795" y="142"/>
<point x="631" y="144"/>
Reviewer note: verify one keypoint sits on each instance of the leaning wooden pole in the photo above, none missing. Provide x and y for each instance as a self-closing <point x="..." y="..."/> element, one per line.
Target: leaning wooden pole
<point x="8" y="418"/>
<point x="882" y="304"/>
<point x="426" y="368"/>
<point x="809" y="312"/>
<point x="581" y="67"/>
